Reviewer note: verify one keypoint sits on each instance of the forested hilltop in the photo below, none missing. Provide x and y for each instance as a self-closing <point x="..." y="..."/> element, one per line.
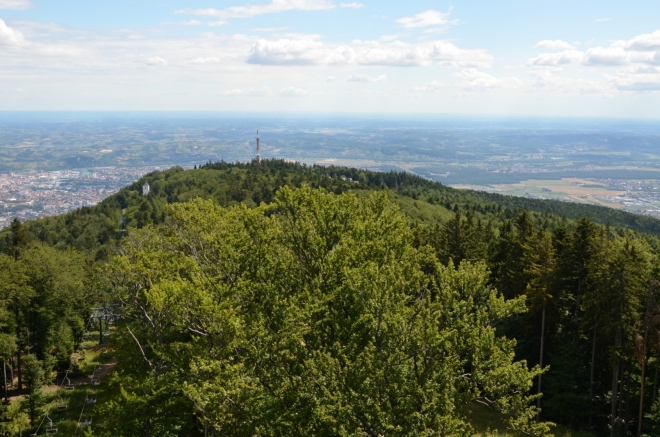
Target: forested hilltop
<point x="280" y="299"/>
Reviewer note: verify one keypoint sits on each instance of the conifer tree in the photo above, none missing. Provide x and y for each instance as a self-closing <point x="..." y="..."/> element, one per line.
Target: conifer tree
<point x="621" y="282"/>
<point x="34" y="379"/>
<point x="541" y="271"/>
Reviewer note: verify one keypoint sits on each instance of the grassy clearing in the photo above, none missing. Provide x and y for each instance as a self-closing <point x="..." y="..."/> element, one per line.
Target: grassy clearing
<point x="487" y="423"/>
<point x="92" y="355"/>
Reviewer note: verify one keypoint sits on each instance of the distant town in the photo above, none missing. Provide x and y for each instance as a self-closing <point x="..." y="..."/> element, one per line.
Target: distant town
<point x="35" y="194"/>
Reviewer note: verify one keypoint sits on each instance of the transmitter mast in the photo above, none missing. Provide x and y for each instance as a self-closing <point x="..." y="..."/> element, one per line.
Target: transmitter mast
<point x="257" y="157"/>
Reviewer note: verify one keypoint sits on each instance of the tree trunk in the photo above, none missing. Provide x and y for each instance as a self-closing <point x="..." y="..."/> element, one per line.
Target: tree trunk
<point x="4" y="369"/>
<point x="591" y="379"/>
<point x="641" y="391"/>
<point x="615" y="381"/>
<point x="627" y="410"/>
<point x="655" y="379"/>
<point x="641" y="402"/>
<point x="538" y="401"/>
<point x="577" y="300"/>
<point x="18" y="368"/>
<point x="622" y="390"/>
<point x="100" y="330"/>
<point x="18" y="349"/>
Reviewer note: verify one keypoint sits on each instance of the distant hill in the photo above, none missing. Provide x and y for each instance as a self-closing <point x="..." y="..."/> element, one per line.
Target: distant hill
<point x="95" y="229"/>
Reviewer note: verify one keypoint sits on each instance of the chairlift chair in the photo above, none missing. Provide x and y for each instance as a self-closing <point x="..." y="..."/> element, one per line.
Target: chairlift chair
<point x="68" y="385"/>
<point x="85" y="421"/>
<point x="61" y="406"/>
<point x="51" y="428"/>
<point x="96" y="381"/>
<point x="90" y="399"/>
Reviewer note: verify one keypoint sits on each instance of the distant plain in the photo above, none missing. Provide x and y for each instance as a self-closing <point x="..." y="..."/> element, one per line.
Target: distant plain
<point x="600" y="161"/>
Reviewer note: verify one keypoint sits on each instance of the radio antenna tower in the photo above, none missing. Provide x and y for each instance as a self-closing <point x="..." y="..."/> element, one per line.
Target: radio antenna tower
<point x="257" y="157"/>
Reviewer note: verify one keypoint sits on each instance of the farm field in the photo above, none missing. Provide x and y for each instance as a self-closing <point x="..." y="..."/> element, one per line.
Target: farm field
<point x="568" y="189"/>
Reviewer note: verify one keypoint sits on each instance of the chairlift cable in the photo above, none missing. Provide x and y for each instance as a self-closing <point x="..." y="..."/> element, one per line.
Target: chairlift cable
<point x="66" y="375"/>
<point x="41" y="423"/>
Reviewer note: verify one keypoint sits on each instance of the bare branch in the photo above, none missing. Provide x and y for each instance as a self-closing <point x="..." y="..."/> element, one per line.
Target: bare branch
<point x="144" y="355"/>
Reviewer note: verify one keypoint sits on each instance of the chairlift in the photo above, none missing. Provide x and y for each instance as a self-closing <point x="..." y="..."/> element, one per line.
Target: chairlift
<point x="51" y="428"/>
<point x="85" y="421"/>
<point x="61" y="406"/>
<point x="96" y="381"/>
<point x="90" y="399"/>
<point x="68" y="385"/>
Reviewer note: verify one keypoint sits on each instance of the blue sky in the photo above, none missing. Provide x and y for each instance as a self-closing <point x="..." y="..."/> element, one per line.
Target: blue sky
<point x="587" y="58"/>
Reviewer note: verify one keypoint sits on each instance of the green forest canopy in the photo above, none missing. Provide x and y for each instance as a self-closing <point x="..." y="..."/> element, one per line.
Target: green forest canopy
<point x="266" y="310"/>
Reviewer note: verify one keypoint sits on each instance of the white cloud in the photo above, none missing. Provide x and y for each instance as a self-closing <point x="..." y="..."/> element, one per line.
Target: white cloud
<point x="292" y="91"/>
<point x="254" y="10"/>
<point x="211" y="60"/>
<point x="246" y="92"/>
<point x="605" y="56"/>
<point x="365" y="78"/>
<point x="559" y="58"/>
<point x="637" y="60"/>
<point x="15" y="4"/>
<point x="473" y="79"/>
<point x="553" y="45"/>
<point x="396" y="53"/>
<point x="330" y="79"/>
<point x="9" y="36"/>
<point x="547" y="80"/>
<point x="639" y="50"/>
<point x="647" y="41"/>
<point x="428" y="89"/>
<point x="351" y="5"/>
<point x="290" y="52"/>
<point x="156" y="61"/>
<point x="638" y="82"/>
<point x="191" y="23"/>
<point x="426" y="19"/>
<point x="268" y="29"/>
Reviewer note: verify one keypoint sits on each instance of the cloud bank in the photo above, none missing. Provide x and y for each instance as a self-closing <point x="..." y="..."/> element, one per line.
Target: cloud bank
<point x="254" y="10"/>
<point x="394" y="54"/>
<point x="15" y="4"/>
<point x="637" y="60"/>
